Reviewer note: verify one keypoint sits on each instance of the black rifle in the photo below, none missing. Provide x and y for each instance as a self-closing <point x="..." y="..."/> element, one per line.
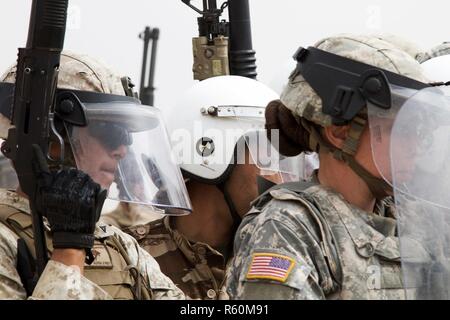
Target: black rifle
<point x="34" y="95"/>
<point x="209" y="24"/>
<point x="146" y="92"/>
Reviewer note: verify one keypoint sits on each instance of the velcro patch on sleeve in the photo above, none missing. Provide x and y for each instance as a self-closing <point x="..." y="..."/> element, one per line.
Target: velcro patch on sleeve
<point x="270" y="266"/>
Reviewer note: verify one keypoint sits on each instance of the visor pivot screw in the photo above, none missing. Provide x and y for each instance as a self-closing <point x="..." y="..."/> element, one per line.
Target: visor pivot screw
<point x="212" y="111"/>
<point x="5" y="149"/>
<point x="66" y="106"/>
<point x="372" y="85"/>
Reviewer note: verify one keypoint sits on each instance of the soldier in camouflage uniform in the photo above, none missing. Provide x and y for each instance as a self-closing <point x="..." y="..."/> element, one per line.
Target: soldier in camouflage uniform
<point x="336" y="237"/>
<point x="194" y="266"/>
<point x="120" y="270"/>
<point x="127" y="215"/>
<point x="193" y="250"/>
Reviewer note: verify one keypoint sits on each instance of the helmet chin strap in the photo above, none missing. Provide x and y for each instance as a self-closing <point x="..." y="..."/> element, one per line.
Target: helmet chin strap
<point x="377" y="186"/>
<point x="221" y="185"/>
<point x="237" y="219"/>
<point x="263" y="185"/>
<point x="231" y="207"/>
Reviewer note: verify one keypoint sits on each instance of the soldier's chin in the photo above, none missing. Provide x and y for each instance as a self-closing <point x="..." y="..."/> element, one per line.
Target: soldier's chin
<point x="402" y="177"/>
<point x="104" y="179"/>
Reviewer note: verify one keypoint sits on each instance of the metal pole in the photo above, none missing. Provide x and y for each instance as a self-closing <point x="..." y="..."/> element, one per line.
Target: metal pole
<point x="146" y="37"/>
<point x="151" y="74"/>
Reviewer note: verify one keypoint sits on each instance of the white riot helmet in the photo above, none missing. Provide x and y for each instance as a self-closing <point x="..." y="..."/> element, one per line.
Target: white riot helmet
<point x="438" y="69"/>
<point x="436" y="63"/>
<point x="212" y="123"/>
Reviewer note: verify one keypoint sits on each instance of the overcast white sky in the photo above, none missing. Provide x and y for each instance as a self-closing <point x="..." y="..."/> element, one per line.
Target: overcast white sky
<point x="108" y="29"/>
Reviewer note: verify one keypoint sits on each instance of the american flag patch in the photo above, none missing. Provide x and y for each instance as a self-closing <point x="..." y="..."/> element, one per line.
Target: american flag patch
<point x="270" y="266"/>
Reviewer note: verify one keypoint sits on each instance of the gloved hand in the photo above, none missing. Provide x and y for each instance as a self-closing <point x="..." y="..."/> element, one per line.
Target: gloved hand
<point x="70" y="200"/>
<point x="293" y="138"/>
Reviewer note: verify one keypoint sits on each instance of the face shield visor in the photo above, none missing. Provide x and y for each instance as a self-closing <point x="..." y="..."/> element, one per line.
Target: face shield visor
<point x="357" y="89"/>
<point x="8" y="176"/>
<point x="411" y="148"/>
<point x="273" y="167"/>
<point x="412" y="125"/>
<point x="124" y="147"/>
<point x="409" y="129"/>
<point x="244" y="140"/>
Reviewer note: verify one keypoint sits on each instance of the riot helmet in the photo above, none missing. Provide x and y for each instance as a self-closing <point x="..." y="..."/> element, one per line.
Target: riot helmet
<point x="99" y="126"/>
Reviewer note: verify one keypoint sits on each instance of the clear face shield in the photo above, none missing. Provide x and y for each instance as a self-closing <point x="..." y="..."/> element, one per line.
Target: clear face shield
<point x="411" y="149"/>
<point x="264" y="155"/>
<point x="244" y="140"/>
<point x="125" y="148"/>
<point x="8" y="176"/>
<point x="409" y="127"/>
<point x="121" y="144"/>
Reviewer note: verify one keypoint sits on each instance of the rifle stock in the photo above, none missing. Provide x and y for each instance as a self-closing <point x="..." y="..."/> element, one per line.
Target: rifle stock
<point x="34" y="95"/>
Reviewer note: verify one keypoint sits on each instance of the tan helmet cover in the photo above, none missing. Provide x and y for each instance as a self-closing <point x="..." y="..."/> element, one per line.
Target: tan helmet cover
<point x="301" y="99"/>
<point x="77" y="72"/>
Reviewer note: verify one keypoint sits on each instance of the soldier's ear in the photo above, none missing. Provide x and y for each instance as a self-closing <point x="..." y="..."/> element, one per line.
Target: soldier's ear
<point x="336" y="135"/>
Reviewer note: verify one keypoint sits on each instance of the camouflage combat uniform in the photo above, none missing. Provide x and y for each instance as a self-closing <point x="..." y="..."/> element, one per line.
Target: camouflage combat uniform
<point x="308" y="242"/>
<point x="196" y="268"/>
<point x="126" y="215"/>
<point x="109" y="276"/>
<point x="121" y="269"/>
<point x="331" y="249"/>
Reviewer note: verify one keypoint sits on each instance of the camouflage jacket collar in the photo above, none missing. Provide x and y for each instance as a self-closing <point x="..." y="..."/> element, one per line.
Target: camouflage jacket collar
<point x="383" y="218"/>
<point x="195" y="252"/>
<point x="371" y="232"/>
<point x="13" y="199"/>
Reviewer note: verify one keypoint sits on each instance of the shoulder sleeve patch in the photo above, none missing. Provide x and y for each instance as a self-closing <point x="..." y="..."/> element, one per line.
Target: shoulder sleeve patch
<point x="270" y="266"/>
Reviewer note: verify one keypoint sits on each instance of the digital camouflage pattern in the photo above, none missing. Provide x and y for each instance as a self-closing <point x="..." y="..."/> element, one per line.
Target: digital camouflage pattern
<point x="300" y="98"/>
<point x="127" y="215"/>
<point x="59" y="281"/>
<point x="196" y="268"/>
<point x="402" y="43"/>
<point x="340" y="251"/>
<point x="440" y="50"/>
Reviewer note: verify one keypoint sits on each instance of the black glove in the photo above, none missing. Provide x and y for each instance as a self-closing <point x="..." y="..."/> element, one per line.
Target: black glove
<point x="71" y="201"/>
